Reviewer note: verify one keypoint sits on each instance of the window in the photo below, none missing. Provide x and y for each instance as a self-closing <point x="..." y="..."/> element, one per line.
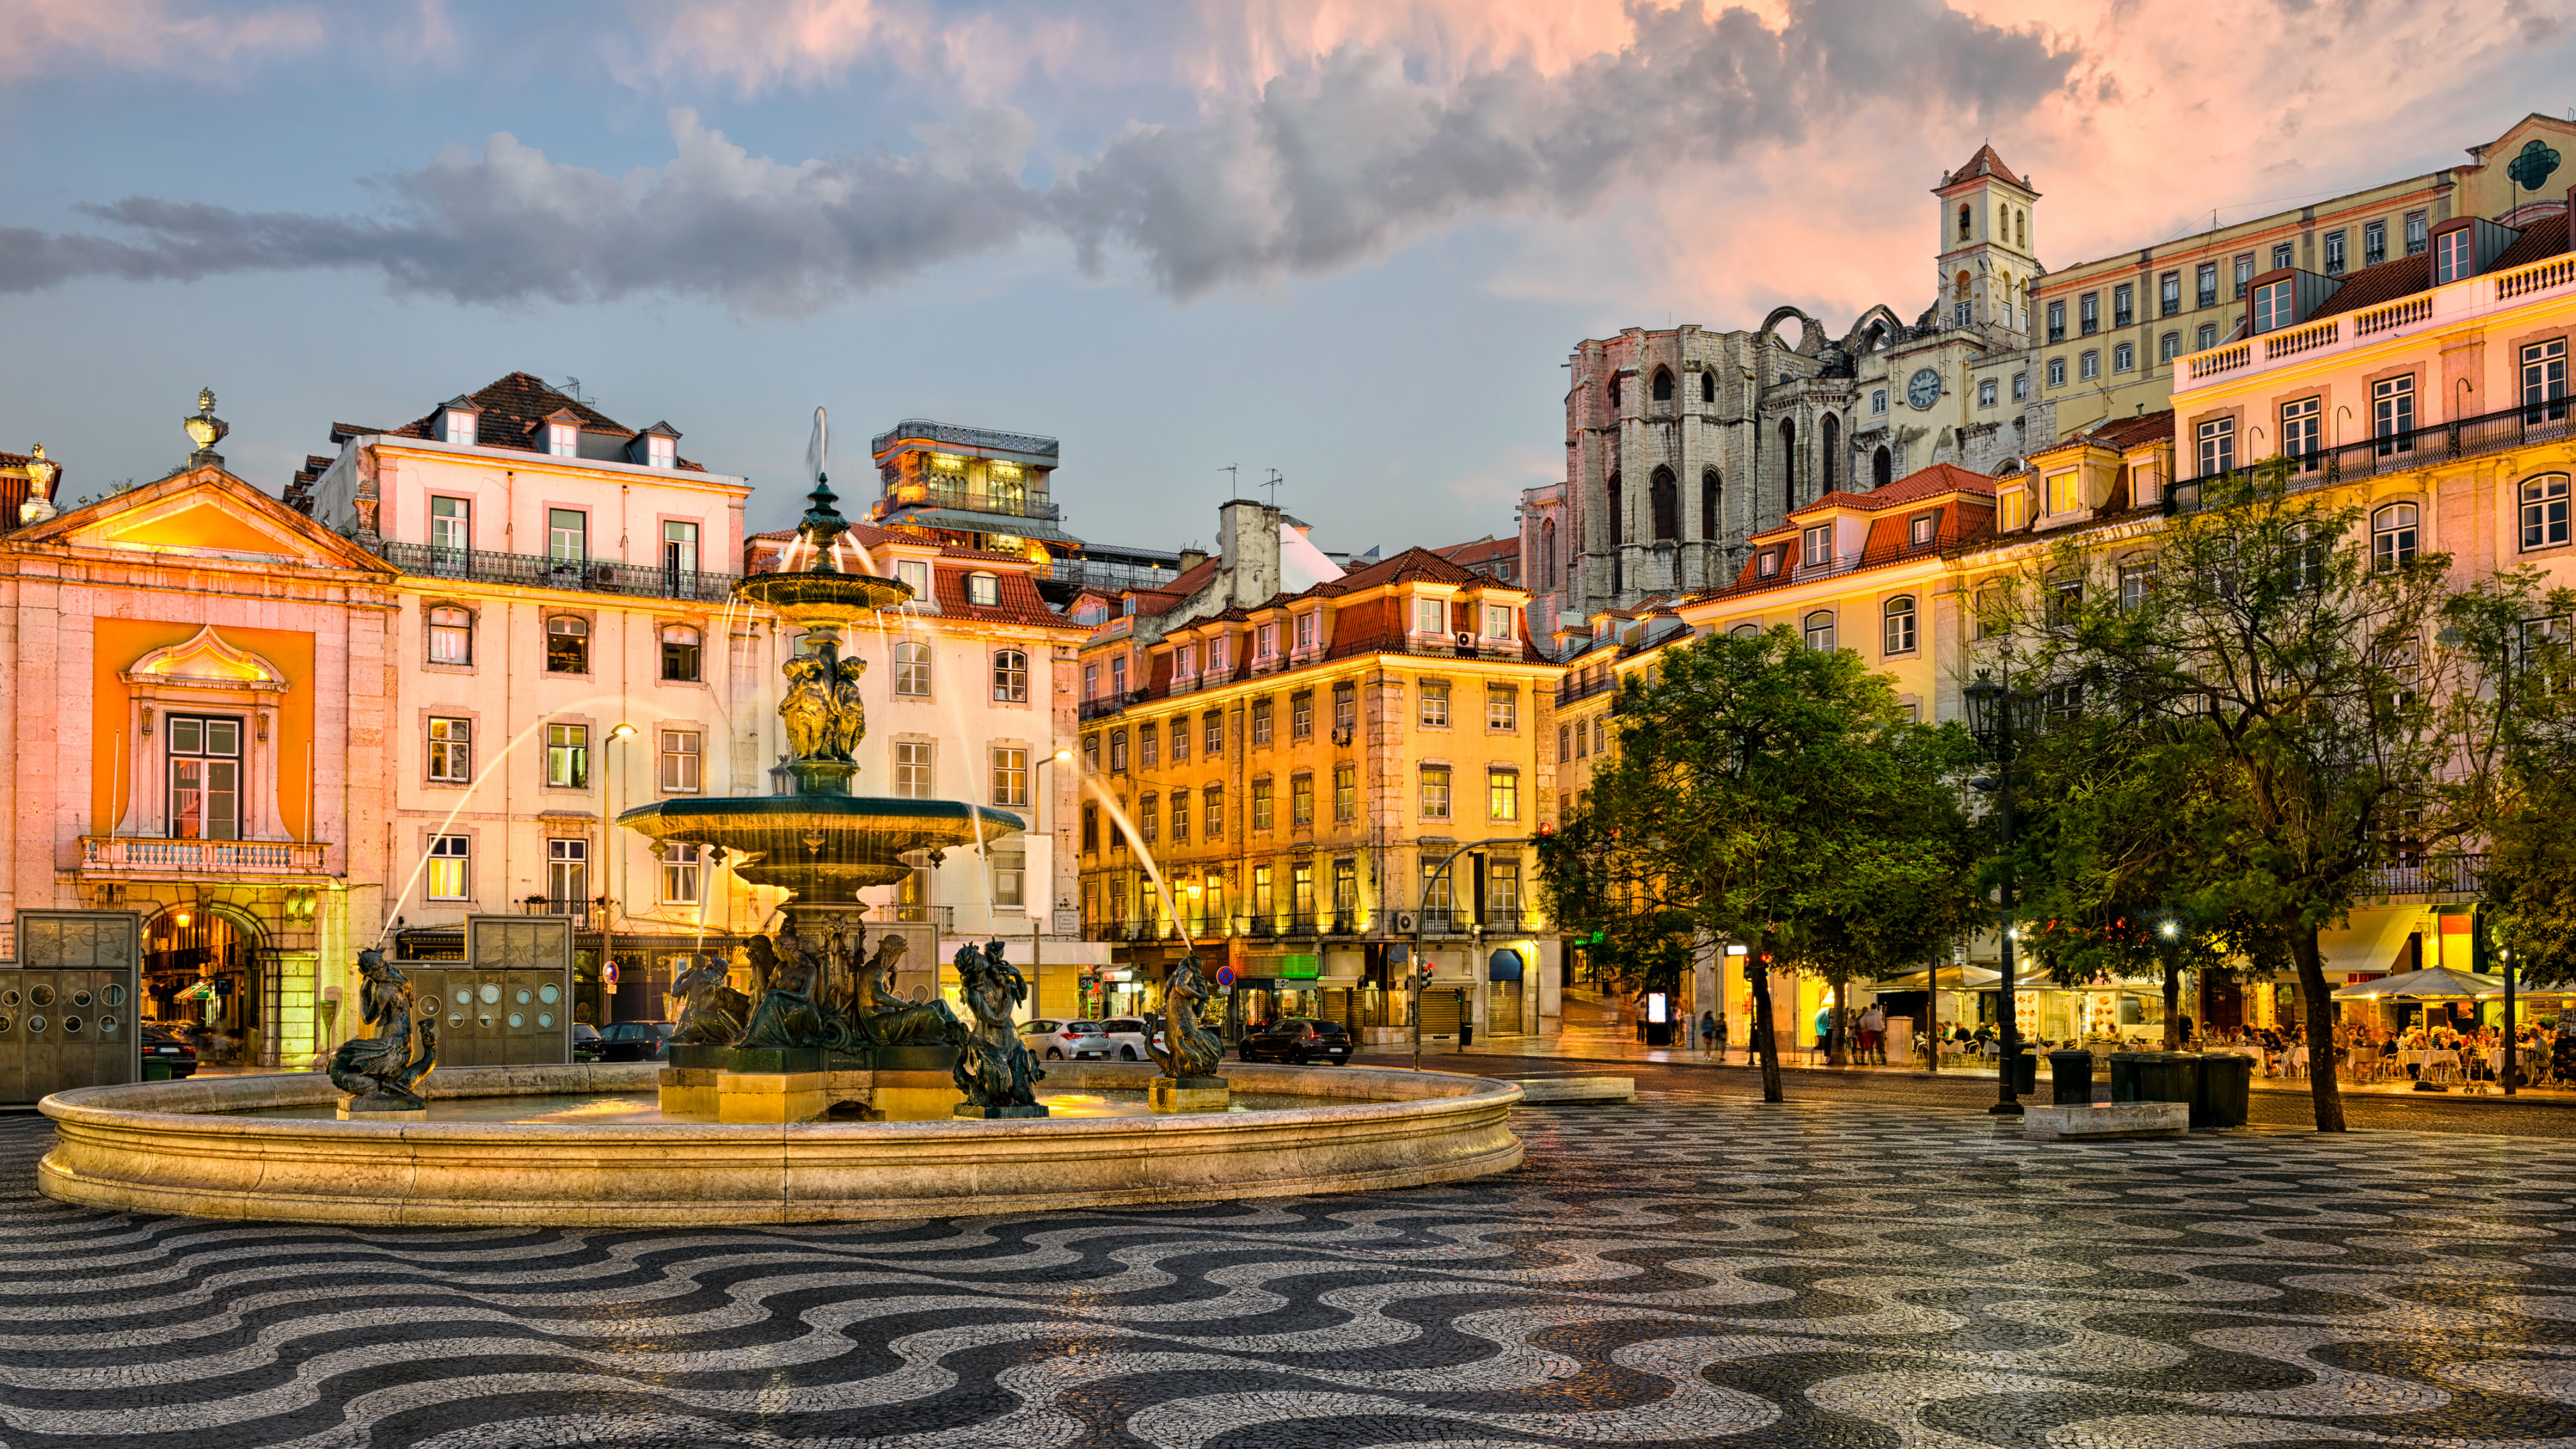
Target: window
<point x="2299" y="424"/>
<point x="1346" y="711"/>
<point x="1346" y="792"/>
<point x="2088" y="313"/>
<point x="2089" y="366"/>
<point x="1922" y="528"/>
<point x="1180" y="740"/>
<point x="912" y="779"/>
<point x="2334" y="253"/>
<point x="1503" y="894"/>
<point x="1090" y="829"/>
<point x="451" y="535"/>
<point x="1218" y="651"/>
<point x="1708" y="387"/>
<point x="1117" y="678"/>
<point x="2065" y="493"/>
<point x="451" y="751"/>
<point x="1261" y="893"/>
<point x="1564" y="743"/>
<point x="2016" y="509"/>
<point x="1214" y="725"/>
<point x="567" y="645"/>
<point x="2244" y="275"/>
<point x="1011" y="676"/>
<point x="1301" y="891"/>
<point x="1430" y="616"/>
<point x="913" y="574"/>
<point x="2454" y="255"/>
<point x="2206" y="338"/>
<point x="2281" y="257"/>
<point x="2057" y="372"/>
<point x="2544" y="512"/>
<point x="1149" y="740"/>
<point x="1309" y="624"/>
<point x="661" y="451"/>
<point x="2206" y="284"/>
<point x="2169" y="347"/>
<point x="1010" y="775"/>
<point x="1766" y="563"/>
<point x="1963" y="221"/>
<point x="1118" y="752"/>
<point x="563" y="440"/>
<point x="1817" y="546"/>
<point x="912" y="669"/>
<point x="2415" y="233"/>
<point x="1301" y="716"/>
<point x="2135" y="579"/>
<point x="1897" y="636"/>
<point x="1149" y="817"/>
<point x="451" y="874"/>
<point x="1185" y="661"/>
<point x="683" y="866"/>
<point x="1663" y="385"/>
<point x="1265" y="642"/>
<point x="1261" y="721"/>
<point x="1820" y="630"/>
<point x="2021" y="386"/>
<point x="1986" y="392"/>
<point x="451" y="635"/>
<point x="2169" y="295"/>
<point x="2057" y="321"/>
<point x="460" y="426"/>
<point x="680" y="755"/>
<point x="1091" y="681"/>
<point x="1301" y="801"/>
<point x="679" y="555"/>
<point x="2544" y="381"/>
<point x="2374" y="243"/>
<point x="1502" y="707"/>
<point x="1498" y="621"/>
<point x="679" y="653"/>
<point x="1600" y="734"/>
<point x="2066" y="603"/>
<point x="1435" y="890"/>
<point x="1010" y="878"/>
<point x="1503" y="794"/>
<point x="205" y="778"/>
<point x="568" y="757"/>
<point x="2124" y="358"/>
<point x="1261" y="803"/>
<point x="2392" y="414"/>
<point x="2124" y="310"/>
<point x="567" y="877"/>
<point x="2392" y="536"/>
<point x="2275" y="305"/>
<point x="1180" y="817"/>
<point x="1214" y="819"/>
<point x="1435" y="792"/>
<point x="1878" y="401"/>
<point x="567" y="535"/>
<point x="1435" y="704"/>
<point x="983" y="589"/>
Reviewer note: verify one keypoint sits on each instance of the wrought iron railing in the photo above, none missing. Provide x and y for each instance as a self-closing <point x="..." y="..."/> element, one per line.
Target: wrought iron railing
<point x="202" y="857"/>
<point x="964" y="437"/>
<point x="537" y="571"/>
<point x="2546" y="422"/>
<point x="1584" y="686"/>
<point x="1109" y="704"/>
<point x="2432" y="875"/>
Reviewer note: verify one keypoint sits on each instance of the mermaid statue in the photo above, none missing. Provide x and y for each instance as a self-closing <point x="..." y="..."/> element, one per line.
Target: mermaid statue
<point x="1191" y="1049"/>
<point x="379" y="1072"/>
<point x="993" y="1067"/>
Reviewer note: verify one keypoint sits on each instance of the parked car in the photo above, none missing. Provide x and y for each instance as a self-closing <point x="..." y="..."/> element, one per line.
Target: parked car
<point x="1050" y="1040"/>
<point x="635" y="1041"/>
<point x="171" y="1050"/>
<point x="1298" y="1040"/>
<point x="1127" y="1034"/>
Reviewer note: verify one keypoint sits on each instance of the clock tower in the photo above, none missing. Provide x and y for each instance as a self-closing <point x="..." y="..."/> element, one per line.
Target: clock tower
<point x="1987" y="252"/>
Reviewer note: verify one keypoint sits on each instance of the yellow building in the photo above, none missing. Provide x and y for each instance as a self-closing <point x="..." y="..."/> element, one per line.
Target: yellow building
<point x="1328" y="781"/>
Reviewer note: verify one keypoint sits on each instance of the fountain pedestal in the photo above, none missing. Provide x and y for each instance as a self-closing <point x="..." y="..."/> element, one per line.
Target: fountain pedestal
<point x="773" y="1084"/>
<point x="1189" y="1094"/>
<point x="915" y="1084"/>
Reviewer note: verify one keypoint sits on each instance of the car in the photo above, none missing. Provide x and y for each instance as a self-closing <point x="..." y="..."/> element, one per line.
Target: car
<point x="635" y="1041"/>
<point x="171" y="1050"/>
<point x="1056" y="1040"/>
<point x="1298" y="1039"/>
<point x="1127" y="1034"/>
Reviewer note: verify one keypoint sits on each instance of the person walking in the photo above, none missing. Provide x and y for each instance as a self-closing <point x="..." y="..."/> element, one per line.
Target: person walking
<point x="1709" y="1040"/>
<point x="1873" y="1034"/>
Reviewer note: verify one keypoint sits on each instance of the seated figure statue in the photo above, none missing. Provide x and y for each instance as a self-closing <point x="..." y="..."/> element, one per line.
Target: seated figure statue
<point x="785" y="1015"/>
<point x="891" y="1021"/>
<point x="711" y="1010"/>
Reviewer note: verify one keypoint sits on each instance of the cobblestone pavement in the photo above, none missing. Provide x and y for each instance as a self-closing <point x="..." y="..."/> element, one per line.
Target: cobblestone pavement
<point x="1693" y="1270"/>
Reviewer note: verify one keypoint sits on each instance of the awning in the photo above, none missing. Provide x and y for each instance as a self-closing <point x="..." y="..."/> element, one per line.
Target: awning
<point x="1949" y="978"/>
<point x="2436" y="983"/>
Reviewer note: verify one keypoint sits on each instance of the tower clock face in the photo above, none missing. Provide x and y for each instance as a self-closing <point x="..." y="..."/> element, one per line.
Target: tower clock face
<point x="1923" y="389"/>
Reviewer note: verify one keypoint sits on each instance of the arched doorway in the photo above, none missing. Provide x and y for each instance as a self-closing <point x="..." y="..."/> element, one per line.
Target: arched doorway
<point x="201" y="978"/>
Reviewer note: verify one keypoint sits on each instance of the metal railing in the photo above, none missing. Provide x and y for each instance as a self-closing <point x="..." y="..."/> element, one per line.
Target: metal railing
<point x="1443" y="921"/>
<point x="1577" y="686"/>
<point x="201" y="857"/>
<point x="538" y="571"/>
<point x="967" y="500"/>
<point x="937" y="432"/>
<point x="1109" y="704"/>
<point x="2547" y="422"/>
<point x="2435" y="875"/>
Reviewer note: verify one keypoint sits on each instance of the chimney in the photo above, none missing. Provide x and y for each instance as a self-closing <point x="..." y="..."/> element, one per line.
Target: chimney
<point x="1247" y="543"/>
<point x="1191" y="558"/>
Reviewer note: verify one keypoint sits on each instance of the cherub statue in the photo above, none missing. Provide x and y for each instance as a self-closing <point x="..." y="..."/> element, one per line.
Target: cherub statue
<point x="378" y="1072"/>
<point x="1190" y="1049"/>
<point x="993" y="1066"/>
<point x="807" y="710"/>
<point x="849" y="712"/>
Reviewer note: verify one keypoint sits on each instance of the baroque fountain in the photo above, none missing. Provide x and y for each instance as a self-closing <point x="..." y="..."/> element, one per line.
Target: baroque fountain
<point x="818" y="1095"/>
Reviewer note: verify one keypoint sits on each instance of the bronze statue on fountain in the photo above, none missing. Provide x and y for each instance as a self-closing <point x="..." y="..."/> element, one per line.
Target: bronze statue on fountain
<point x="993" y="1068"/>
<point x="379" y="1072"/>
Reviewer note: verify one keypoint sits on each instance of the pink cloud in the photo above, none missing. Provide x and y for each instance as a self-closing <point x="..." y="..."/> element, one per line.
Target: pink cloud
<point x="41" y="36"/>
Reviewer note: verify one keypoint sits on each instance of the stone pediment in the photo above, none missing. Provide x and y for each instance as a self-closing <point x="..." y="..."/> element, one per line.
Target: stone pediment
<point x="207" y="661"/>
<point x="204" y="513"/>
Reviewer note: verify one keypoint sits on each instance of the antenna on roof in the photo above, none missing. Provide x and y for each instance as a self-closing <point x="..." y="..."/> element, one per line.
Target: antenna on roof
<point x="572" y="389"/>
<point x="1233" y="480"/>
<point x="1272" y="483"/>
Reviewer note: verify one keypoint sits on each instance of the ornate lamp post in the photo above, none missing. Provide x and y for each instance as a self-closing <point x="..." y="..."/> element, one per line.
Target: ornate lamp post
<point x="1991" y="708"/>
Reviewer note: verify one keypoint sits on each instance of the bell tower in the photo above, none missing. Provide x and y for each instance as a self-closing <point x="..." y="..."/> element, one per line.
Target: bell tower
<point x="1988" y="248"/>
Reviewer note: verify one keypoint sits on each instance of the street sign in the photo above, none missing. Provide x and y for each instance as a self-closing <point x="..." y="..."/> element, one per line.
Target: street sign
<point x="608" y="973"/>
<point x="1225" y="975"/>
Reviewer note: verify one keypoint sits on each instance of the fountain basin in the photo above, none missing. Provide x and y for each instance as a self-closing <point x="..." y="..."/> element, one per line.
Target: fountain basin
<point x="822" y="596"/>
<point x="170" y="1147"/>
<point x="823" y="847"/>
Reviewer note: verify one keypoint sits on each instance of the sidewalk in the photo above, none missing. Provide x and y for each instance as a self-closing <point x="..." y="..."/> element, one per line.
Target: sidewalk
<point x="1591" y="1047"/>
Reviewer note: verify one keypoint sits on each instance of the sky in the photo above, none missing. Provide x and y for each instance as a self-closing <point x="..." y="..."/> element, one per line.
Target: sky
<point x="1352" y="241"/>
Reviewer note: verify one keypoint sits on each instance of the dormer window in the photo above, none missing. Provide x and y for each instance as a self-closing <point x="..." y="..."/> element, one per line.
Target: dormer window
<point x="2454" y="256"/>
<point x="661" y="452"/>
<point x="1819" y="542"/>
<point x="983" y="589"/>
<point x="1216" y="655"/>
<point x="1920" y="528"/>
<point x="1430" y="616"/>
<point x="563" y="440"/>
<point x="1186" y="660"/>
<point x="1498" y="621"/>
<point x="2275" y="305"/>
<point x="1767" y="564"/>
<point x="1266" y="642"/>
<point x="460" y="426"/>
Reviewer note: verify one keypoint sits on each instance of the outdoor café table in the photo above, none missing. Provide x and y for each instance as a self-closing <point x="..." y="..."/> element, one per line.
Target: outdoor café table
<point x="2298" y="1060"/>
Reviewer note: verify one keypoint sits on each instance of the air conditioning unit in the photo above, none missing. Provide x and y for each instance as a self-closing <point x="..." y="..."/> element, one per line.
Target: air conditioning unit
<point x="1342" y="734"/>
<point x="1466" y="641"/>
<point x="1402" y="922"/>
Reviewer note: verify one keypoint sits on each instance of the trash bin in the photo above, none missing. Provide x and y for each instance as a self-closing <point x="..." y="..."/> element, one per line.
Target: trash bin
<point x="1466" y="1033"/>
<point x="155" y="1070"/>
<point x="2173" y="1077"/>
<point x="2125" y="1081"/>
<point x="2220" y="1100"/>
<point x="2023" y="1070"/>
<point x="2070" y="1078"/>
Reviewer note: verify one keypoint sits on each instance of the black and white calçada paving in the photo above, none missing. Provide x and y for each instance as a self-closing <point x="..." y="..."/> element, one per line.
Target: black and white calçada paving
<point x="1694" y="1270"/>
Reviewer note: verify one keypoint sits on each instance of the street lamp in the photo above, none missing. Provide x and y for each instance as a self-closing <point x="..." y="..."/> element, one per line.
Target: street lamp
<point x="1991" y="707"/>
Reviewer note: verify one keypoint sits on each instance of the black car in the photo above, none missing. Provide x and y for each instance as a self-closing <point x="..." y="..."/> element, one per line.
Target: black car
<point x="634" y="1041"/>
<point x="170" y="1050"/>
<point x="1298" y="1040"/>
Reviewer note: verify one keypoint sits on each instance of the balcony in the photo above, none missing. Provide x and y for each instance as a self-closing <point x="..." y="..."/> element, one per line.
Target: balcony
<point x="536" y="571"/>
<point x="1581" y="686"/>
<point x="1109" y="704"/>
<point x="1299" y="925"/>
<point x="127" y="854"/>
<point x="2550" y="422"/>
<point x="2451" y="305"/>
<point x="1006" y="503"/>
<point x="2437" y="875"/>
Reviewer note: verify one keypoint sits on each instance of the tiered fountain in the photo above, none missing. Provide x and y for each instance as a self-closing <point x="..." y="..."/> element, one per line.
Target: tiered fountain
<point x="741" y="1127"/>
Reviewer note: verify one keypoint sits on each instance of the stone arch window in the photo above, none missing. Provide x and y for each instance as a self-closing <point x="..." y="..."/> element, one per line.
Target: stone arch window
<point x="1788" y="464"/>
<point x="567" y="644"/>
<point x="1897" y="625"/>
<point x="1547" y="550"/>
<point x="2021" y="229"/>
<point x="1614" y="392"/>
<point x="1882" y="468"/>
<point x="1833" y="446"/>
<point x="1819" y="629"/>
<point x="1663" y="384"/>
<point x="1664" y="495"/>
<point x="2392" y="536"/>
<point x="1745" y="631"/>
<point x="1617" y="529"/>
<point x="1708" y="387"/>
<point x="1964" y="214"/>
<point x="1710" y="494"/>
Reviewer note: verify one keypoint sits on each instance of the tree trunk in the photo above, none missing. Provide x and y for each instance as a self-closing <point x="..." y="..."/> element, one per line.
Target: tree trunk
<point x="1767" y="1041"/>
<point x="2321" y="1063"/>
<point x="2173" y="1001"/>
<point x="1841" y="1056"/>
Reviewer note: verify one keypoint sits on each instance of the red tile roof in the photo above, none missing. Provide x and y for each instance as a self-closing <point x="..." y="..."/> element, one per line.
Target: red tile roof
<point x="510" y="410"/>
<point x="1482" y="551"/>
<point x="1914" y="487"/>
<point x="1985" y="163"/>
<point x="2407" y="276"/>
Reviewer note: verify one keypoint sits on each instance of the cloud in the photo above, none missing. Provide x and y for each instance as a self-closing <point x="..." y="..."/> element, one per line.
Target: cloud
<point x="39" y="37"/>
<point x="1314" y="174"/>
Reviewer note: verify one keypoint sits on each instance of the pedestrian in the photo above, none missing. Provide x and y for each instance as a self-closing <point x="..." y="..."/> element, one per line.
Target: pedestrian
<point x="1873" y="1034"/>
<point x="1709" y="1040"/>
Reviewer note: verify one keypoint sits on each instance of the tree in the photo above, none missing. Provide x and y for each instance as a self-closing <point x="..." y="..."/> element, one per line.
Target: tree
<point x="1768" y="794"/>
<point x="2516" y="787"/>
<point x="2270" y="645"/>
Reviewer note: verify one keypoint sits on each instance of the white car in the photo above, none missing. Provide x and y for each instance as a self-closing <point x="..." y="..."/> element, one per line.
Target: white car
<point x="1127" y="1036"/>
<point x="1051" y="1040"/>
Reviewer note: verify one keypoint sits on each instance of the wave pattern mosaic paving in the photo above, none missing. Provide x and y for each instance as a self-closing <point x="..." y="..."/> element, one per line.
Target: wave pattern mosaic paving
<point x="1690" y="1271"/>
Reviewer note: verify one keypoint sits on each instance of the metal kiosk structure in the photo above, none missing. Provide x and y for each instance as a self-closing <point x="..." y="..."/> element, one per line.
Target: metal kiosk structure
<point x="509" y="1002"/>
<point x="68" y="1004"/>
